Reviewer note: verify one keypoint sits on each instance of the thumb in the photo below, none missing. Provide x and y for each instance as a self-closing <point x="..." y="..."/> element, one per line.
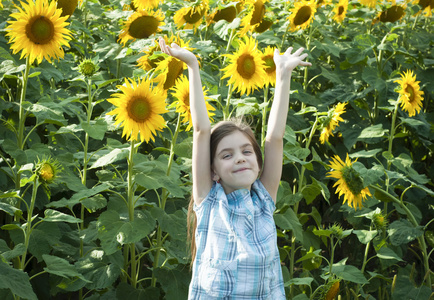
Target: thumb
<point x="276" y="53"/>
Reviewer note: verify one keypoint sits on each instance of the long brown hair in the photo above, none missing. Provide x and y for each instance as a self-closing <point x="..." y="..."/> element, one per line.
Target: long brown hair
<point x="219" y="131"/>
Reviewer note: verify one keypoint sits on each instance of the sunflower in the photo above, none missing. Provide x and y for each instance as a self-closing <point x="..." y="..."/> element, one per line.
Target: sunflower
<point x="141" y="25"/>
<point x="246" y="68"/>
<point x="47" y="169"/>
<point x="256" y="12"/>
<point x="170" y="68"/>
<point x="139" y="108"/>
<point x="39" y="31"/>
<point x="144" y="4"/>
<point x="148" y="61"/>
<point x="190" y="17"/>
<point x="333" y="289"/>
<point x="392" y="14"/>
<point x="340" y="11"/>
<point x="330" y="123"/>
<point x="270" y="66"/>
<point x="181" y="93"/>
<point x="410" y="95"/>
<point x="427" y="6"/>
<point x="302" y="14"/>
<point x="68" y="6"/>
<point x="350" y="183"/>
<point x="227" y="13"/>
<point x="369" y="3"/>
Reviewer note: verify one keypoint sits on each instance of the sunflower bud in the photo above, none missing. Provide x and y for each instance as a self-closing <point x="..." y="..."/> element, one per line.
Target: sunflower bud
<point x="88" y="68"/>
<point x="380" y="221"/>
<point x="337" y="231"/>
<point x="47" y="170"/>
<point x="332" y="290"/>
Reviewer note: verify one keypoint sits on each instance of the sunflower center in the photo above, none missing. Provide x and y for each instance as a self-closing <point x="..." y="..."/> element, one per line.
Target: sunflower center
<point x="40" y="30"/>
<point x="352" y="179"/>
<point x="193" y="16"/>
<point x="175" y="70"/>
<point x="246" y="66"/>
<point x="270" y="66"/>
<point x="302" y="16"/>
<point x="340" y="10"/>
<point x="258" y="13"/>
<point x="410" y="91"/>
<point x="46" y="172"/>
<point x="392" y="14"/>
<point x="139" y="109"/>
<point x="228" y="14"/>
<point x="143" y="27"/>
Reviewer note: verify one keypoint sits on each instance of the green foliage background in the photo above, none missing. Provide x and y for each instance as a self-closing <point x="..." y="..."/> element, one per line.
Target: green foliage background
<point x="79" y="238"/>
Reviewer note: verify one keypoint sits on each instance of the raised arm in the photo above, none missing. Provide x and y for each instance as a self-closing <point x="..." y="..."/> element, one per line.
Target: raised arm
<point x="201" y="164"/>
<point x="273" y="150"/>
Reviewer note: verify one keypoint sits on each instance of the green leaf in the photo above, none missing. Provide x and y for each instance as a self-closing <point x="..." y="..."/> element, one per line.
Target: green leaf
<point x="114" y="155"/>
<point x="349" y="273"/>
<point x="18" y="250"/>
<point x="60" y="267"/>
<point x="100" y="269"/>
<point x="365" y="153"/>
<point x="374" y="131"/>
<point x="299" y="281"/>
<point x="387" y="253"/>
<point x="57" y="216"/>
<point x="174" y="223"/>
<point x="96" y="128"/>
<point x="289" y="221"/>
<point x="403" y="232"/>
<point x="309" y="255"/>
<point x="94" y="203"/>
<point x="174" y="282"/>
<point x="126" y="291"/>
<point x="322" y="232"/>
<point x="332" y="76"/>
<point x="311" y="191"/>
<point x="17" y="281"/>
<point x="365" y="236"/>
<point x="10" y="209"/>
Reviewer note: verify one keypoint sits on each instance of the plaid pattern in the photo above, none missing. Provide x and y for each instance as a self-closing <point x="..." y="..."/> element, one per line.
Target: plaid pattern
<point x="237" y="255"/>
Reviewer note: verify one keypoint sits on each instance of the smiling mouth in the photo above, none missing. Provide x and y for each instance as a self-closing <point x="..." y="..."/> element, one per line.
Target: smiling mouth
<point x="241" y="170"/>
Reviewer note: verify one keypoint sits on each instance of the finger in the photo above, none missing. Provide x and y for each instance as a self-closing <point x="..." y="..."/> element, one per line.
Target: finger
<point x="303" y="56"/>
<point x="276" y="53"/>
<point x="288" y="51"/>
<point x="298" y="52"/>
<point x="305" y="64"/>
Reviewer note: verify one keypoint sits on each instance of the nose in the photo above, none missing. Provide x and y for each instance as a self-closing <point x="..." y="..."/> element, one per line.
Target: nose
<point x="240" y="159"/>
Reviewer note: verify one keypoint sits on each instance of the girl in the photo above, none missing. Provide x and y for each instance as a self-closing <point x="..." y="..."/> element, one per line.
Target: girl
<point x="235" y="254"/>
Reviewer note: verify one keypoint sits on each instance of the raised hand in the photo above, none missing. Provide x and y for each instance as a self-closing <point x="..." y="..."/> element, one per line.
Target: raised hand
<point x="288" y="61"/>
<point x="180" y="53"/>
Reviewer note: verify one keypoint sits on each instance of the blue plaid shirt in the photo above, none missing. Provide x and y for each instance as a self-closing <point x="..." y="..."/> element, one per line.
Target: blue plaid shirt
<point x="237" y="255"/>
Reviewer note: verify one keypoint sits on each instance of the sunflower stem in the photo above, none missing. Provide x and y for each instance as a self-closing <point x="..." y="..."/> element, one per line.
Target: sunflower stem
<point x="420" y="239"/>
<point x="226" y="113"/>
<point x="165" y="195"/>
<point x="28" y="225"/>
<point x="130" y="198"/>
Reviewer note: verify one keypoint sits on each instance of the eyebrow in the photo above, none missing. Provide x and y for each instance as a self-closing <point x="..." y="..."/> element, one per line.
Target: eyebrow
<point x="230" y="149"/>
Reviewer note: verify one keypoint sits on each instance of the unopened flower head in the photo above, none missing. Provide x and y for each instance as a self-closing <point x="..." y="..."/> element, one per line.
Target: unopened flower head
<point x="88" y="68"/>
<point x="47" y="169"/>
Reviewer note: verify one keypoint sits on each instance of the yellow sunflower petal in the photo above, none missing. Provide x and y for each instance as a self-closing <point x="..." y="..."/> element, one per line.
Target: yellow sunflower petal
<point x="39" y="31"/>
<point x="141" y="25"/>
<point x="410" y="95"/>
<point x="139" y="107"/>
<point x="349" y="183"/>
<point x="246" y="69"/>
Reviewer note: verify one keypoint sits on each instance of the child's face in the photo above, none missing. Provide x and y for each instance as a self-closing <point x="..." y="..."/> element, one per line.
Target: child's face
<point x="235" y="164"/>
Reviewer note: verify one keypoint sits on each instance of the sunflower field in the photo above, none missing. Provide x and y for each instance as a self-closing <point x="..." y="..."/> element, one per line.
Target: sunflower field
<point x="96" y="142"/>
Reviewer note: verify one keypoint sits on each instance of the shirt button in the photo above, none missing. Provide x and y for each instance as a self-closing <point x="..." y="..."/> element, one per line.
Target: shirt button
<point x="249" y="217"/>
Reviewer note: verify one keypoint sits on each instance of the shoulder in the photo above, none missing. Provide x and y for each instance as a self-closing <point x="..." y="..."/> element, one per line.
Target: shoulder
<point x="210" y="198"/>
<point x="259" y="188"/>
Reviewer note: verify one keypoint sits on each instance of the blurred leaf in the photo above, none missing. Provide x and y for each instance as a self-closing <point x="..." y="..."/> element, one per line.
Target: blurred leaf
<point x="289" y="221"/>
<point x="17" y="281"/>
<point x="111" y="157"/>
<point x="175" y="282"/>
<point x="18" y="250"/>
<point x="60" y="267"/>
<point x="365" y="236"/>
<point x="373" y="131"/>
<point x="403" y="232"/>
<point x="57" y="216"/>
<point x="387" y="253"/>
<point x="173" y="223"/>
<point x="96" y="128"/>
<point x="126" y="291"/>
<point x="349" y="273"/>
